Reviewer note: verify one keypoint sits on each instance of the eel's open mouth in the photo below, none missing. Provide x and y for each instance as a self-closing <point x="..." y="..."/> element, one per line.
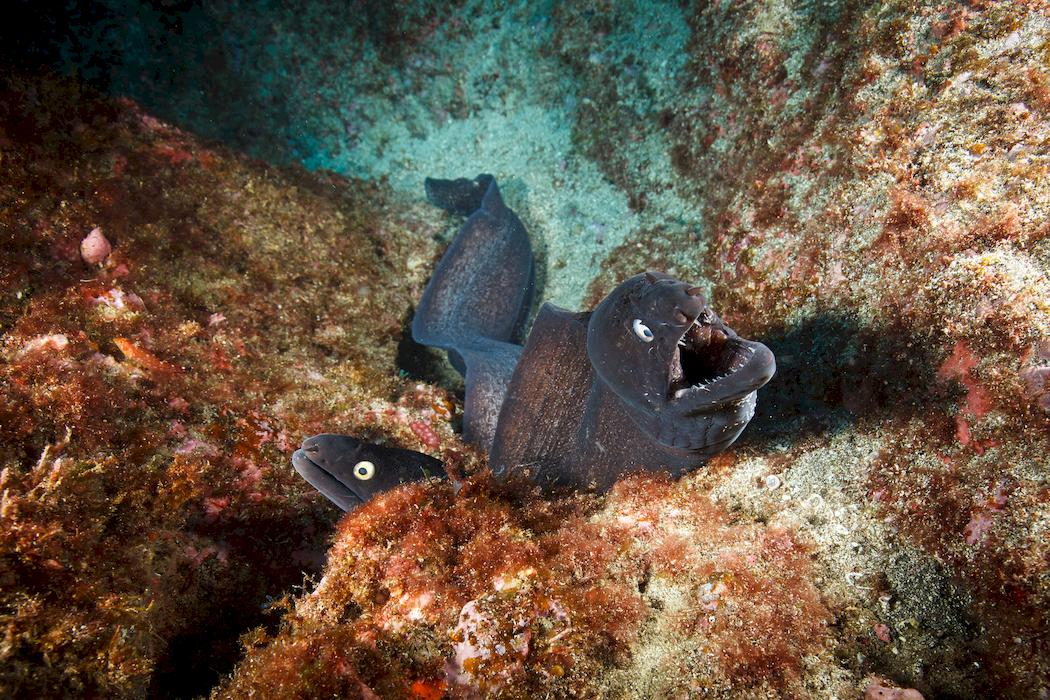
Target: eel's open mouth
<point x="707" y="354"/>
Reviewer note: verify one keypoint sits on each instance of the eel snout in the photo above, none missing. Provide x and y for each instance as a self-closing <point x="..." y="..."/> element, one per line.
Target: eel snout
<point x="350" y="471"/>
<point x="321" y="460"/>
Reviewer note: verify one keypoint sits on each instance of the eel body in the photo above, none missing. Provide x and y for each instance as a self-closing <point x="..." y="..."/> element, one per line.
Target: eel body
<point x="478" y="297"/>
<point x="651" y="379"/>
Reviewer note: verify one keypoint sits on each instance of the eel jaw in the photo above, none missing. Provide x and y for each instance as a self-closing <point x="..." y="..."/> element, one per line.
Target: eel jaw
<point x="316" y="475"/>
<point x="711" y="365"/>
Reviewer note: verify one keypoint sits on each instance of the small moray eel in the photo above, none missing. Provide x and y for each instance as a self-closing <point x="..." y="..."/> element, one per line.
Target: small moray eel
<point x="651" y="379"/>
<point x="350" y="471"/>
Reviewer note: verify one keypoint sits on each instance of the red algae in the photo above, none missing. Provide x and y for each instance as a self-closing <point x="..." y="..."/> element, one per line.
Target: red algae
<point x="876" y="215"/>
<point x="153" y="390"/>
<point x="512" y="595"/>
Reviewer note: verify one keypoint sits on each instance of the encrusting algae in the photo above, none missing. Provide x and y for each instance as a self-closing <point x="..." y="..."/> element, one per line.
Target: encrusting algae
<point x="536" y="596"/>
<point x="151" y="397"/>
<point x="881" y="222"/>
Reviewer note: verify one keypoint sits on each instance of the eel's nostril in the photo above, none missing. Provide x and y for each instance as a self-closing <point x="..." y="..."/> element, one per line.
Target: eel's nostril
<point x="682" y="317"/>
<point x="312" y="449"/>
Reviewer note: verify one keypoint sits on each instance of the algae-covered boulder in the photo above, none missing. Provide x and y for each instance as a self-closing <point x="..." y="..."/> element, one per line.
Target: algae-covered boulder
<point x="874" y="205"/>
<point x="493" y="591"/>
<point x="150" y="397"/>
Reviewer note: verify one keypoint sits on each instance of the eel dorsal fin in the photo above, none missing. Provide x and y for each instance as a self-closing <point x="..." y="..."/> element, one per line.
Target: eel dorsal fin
<point x="478" y="296"/>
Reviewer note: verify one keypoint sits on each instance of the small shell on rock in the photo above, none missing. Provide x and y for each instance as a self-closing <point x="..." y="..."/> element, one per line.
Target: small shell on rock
<point x="773" y="482"/>
<point x="853" y="577"/>
<point x="95" y="248"/>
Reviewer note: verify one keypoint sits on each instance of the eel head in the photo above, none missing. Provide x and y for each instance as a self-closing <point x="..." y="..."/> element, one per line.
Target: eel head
<point x="349" y="471"/>
<point x="689" y="378"/>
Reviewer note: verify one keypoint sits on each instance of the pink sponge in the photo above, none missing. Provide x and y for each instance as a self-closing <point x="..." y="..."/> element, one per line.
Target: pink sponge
<point x="95" y="248"/>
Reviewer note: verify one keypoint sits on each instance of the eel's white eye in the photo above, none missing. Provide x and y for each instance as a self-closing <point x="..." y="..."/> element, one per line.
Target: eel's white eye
<point x="642" y="331"/>
<point x="364" y="470"/>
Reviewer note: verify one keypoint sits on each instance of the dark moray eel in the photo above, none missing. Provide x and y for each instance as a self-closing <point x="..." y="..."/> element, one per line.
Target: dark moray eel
<point x="651" y="379"/>
<point x="350" y="471"/>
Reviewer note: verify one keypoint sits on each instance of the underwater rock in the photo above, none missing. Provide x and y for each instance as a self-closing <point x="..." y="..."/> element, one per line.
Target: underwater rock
<point x="861" y="186"/>
<point x="148" y="410"/>
<point x="495" y="591"/>
<point x="870" y="208"/>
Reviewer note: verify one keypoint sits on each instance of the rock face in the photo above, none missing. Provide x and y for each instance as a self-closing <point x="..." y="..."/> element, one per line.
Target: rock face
<point x="861" y="186"/>
<point x="494" y="591"/>
<point x="875" y="210"/>
<point x="149" y="401"/>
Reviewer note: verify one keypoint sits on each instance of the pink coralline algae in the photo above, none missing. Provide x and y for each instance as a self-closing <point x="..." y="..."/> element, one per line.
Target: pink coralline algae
<point x="94" y="249"/>
<point x="877" y="691"/>
<point x="425" y="433"/>
<point x="982" y="520"/>
<point x="55" y="342"/>
<point x="1037" y="383"/>
<point x="1036" y="378"/>
<point x="978" y="526"/>
<point x="960" y="366"/>
<point x="116" y="300"/>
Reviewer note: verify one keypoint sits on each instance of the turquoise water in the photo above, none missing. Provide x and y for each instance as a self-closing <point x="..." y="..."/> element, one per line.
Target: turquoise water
<point x="401" y="91"/>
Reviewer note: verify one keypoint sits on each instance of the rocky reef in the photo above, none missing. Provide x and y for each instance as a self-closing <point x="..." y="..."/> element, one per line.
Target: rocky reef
<point x="862" y="186"/>
<point x="874" y="206"/>
<point x="154" y="385"/>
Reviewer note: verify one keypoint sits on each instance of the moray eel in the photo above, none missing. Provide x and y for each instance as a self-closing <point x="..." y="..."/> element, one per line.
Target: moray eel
<point x="651" y="379"/>
<point x="478" y="297"/>
<point x="349" y="471"/>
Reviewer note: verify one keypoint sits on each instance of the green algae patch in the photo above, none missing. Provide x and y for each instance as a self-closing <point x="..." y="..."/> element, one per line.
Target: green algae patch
<point x="150" y="401"/>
